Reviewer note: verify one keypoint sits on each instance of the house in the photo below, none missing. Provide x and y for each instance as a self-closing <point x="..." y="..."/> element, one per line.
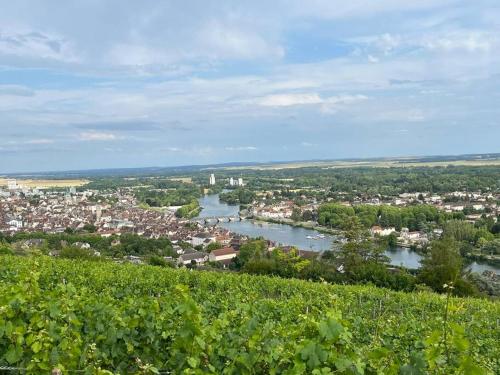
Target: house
<point x="379" y="231"/>
<point x="134" y="259"/>
<point x="82" y="245"/>
<point x="306" y="254"/>
<point x="15" y="224"/>
<point x="237" y="241"/>
<point x="437" y="232"/>
<point x="202" y="238"/>
<point x="198" y="257"/>
<point x="225" y="253"/>
<point x="33" y="242"/>
<point x="413" y="237"/>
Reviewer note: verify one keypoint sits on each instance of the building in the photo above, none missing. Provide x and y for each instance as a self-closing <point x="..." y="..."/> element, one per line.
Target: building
<point x="211" y="181"/>
<point x="223" y="254"/>
<point x="231" y="181"/>
<point x="12" y="184"/>
<point x="15" y="224"/>
<point x="240" y="182"/>
<point x="197" y="257"/>
<point x="202" y="239"/>
<point x="379" y="231"/>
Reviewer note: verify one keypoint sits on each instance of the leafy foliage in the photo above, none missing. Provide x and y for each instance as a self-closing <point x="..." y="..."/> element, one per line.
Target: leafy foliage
<point x="89" y="316"/>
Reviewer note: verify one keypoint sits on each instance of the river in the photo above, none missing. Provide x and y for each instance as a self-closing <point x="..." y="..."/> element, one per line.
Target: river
<point x="302" y="238"/>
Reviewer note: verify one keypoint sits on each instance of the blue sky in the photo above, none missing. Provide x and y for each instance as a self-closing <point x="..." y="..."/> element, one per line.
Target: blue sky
<point x="98" y="84"/>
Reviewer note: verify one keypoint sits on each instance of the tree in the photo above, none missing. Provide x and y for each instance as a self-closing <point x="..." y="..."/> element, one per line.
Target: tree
<point x="89" y="228"/>
<point x="442" y="266"/>
<point x="459" y="230"/>
<point x="334" y="214"/>
<point x="492" y="247"/>
<point x="392" y="240"/>
<point x="214" y="246"/>
<point x="495" y="229"/>
<point x="5" y="249"/>
<point x="72" y="252"/>
<point x="307" y="215"/>
<point x="156" y="260"/>
<point x="296" y="215"/>
<point x="252" y="250"/>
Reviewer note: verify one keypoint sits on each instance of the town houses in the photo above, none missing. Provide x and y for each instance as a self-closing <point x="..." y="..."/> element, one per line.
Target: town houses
<point x="113" y="213"/>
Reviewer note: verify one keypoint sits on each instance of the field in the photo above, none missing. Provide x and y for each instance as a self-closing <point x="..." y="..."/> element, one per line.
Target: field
<point x="46" y="183"/>
<point x="382" y="163"/>
<point x="91" y="316"/>
<point x="186" y="180"/>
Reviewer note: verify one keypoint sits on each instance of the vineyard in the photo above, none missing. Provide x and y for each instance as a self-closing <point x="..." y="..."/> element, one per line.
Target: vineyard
<point x="100" y="317"/>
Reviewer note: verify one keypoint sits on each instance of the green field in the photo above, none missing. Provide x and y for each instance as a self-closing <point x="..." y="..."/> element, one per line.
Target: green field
<point x="92" y="316"/>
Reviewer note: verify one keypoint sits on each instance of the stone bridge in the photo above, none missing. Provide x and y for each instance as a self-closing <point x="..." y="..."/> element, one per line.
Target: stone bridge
<point x="217" y="219"/>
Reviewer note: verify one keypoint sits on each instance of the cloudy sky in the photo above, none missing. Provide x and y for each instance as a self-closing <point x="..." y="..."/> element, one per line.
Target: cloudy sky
<point x="97" y="84"/>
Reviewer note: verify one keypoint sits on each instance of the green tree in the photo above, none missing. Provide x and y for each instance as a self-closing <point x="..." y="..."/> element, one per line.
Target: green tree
<point x="392" y="240"/>
<point x="5" y="249"/>
<point x="296" y="215"/>
<point x="252" y="250"/>
<point x="89" y="228"/>
<point x="214" y="246"/>
<point x="442" y="266"/>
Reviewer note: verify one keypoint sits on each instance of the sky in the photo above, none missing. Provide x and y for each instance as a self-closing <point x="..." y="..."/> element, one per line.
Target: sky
<point x="100" y="84"/>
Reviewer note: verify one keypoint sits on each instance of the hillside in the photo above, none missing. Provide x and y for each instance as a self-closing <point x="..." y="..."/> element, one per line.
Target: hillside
<point x="144" y="319"/>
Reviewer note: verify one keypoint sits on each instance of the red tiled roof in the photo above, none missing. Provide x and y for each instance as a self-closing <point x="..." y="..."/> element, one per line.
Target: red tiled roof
<point x="224" y="251"/>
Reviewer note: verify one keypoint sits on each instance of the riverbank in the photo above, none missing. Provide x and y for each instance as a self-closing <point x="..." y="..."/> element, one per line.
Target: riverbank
<point x="298" y="224"/>
<point x="491" y="260"/>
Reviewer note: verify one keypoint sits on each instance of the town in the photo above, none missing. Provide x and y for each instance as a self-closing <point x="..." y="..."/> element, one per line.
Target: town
<point x="113" y="212"/>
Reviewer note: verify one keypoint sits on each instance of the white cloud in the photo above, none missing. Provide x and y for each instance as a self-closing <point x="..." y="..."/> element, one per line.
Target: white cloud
<point x="328" y="105"/>
<point x="96" y="136"/>
<point x="223" y="41"/>
<point x="285" y="100"/>
<point x="334" y="9"/>
<point x="241" y="148"/>
<point x="172" y="149"/>
<point x="39" y="141"/>
<point x="137" y="55"/>
<point x="36" y="44"/>
<point x="307" y="144"/>
<point x="334" y="103"/>
<point x="387" y="43"/>
<point x="464" y="40"/>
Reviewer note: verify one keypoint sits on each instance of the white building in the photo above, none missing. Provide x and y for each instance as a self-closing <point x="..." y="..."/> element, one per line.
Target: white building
<point x="197" y="256"/>
<point x="15" y="224"/>
<point x="12" y="184"/>
<point x="222" y="254"/>
<point x="211" y="181"/>
<point x="240" y="182"/>
<point x="379" y="231"/>
<point x="231" y="181"/>
<point x="202" y="239"/>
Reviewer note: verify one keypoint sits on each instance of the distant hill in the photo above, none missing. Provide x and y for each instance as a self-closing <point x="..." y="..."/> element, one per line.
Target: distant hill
<point x="433" y="160"/>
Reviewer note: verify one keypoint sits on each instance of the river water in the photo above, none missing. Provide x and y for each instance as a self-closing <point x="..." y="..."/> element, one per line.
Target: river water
<point x="304" y="239"/>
